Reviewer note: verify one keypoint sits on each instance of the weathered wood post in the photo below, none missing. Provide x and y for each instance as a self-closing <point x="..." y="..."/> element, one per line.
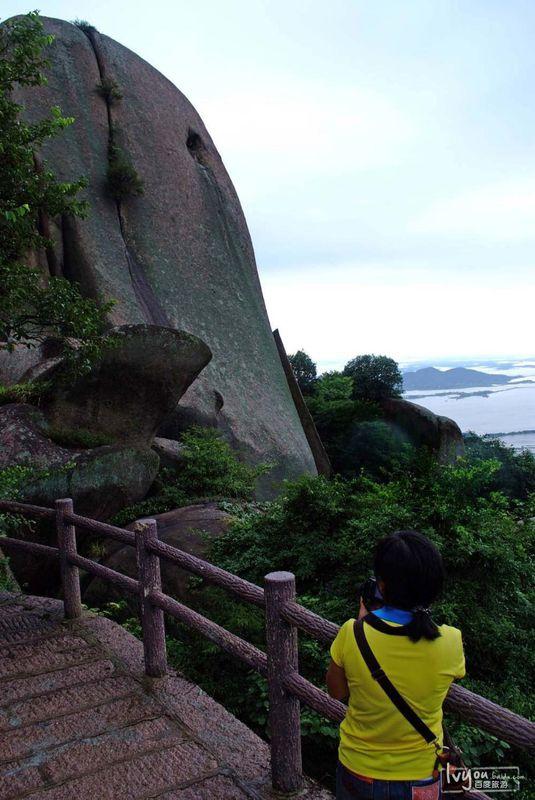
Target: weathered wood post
<point x="284" y="712"/>
<point x="152" y="619"/>
<point x="70" y="576"/>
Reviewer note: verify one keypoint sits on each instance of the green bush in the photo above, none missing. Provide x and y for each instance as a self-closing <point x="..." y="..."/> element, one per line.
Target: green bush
<point x="23" y="393"/>
<point x="487" y="545"/>
<point x="516" y="475"/>
<point x="209" y="469"/>
<point x="109" y="90"/>
<point x="84" y="25"/>
<point x="122" y="179"/>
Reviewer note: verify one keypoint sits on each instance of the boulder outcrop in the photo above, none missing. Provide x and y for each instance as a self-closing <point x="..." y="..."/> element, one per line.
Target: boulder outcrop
<point x="135" y="385"/>
<point x="189" y="528"/>
<point x="423" y="428"/>
<point x="100" y="480"/>
<point x="178" y="256"/>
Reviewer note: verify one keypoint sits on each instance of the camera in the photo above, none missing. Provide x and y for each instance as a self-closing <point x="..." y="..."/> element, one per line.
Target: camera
<point x="371" y="596"/>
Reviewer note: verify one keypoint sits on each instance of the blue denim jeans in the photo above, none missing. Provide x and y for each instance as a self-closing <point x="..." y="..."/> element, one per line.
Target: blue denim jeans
<point x="349" y="787"/>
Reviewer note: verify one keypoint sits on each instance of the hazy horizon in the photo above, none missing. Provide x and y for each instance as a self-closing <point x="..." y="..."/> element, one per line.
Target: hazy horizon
<point x="383" y="154"/>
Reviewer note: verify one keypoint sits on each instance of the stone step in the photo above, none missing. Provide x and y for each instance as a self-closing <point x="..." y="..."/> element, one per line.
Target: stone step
<point x="118" y="713"/>
<point x="27" y="687"/>
<point x="217" y="786"/>
<point x="84" y="756"/>
<point x="142" y="777"/>
<point x="30" y="658"/>
<point x="22" y="625"/>
<point x="66" y="701"/>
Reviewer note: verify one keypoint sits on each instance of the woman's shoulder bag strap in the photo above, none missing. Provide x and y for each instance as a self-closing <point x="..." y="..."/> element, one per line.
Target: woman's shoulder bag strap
<point x="387" y="686"/>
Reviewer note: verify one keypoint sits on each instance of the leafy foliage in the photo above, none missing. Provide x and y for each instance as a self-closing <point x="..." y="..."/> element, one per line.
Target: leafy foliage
<point x="352" y="431"/>
<point x="374" y="377"/>
<point x="23" y="392"/>
<point x="33" y="307"/>
<point x="486" y="541"/>
<point x="122" y="179"/>
<point x="516" y="475"/>
<point x="79" y="437"/>
<point x="109" y="90"/>
<point x="304" y="370"/>
<point x="209" y="468"/>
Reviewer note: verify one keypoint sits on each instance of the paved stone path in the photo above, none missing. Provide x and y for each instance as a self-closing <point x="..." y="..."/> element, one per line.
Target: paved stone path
<point x="79" y="720"/>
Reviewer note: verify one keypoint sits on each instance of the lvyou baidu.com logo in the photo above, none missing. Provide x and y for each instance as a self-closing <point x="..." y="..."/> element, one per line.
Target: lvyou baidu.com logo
<point x="457" y="780"/>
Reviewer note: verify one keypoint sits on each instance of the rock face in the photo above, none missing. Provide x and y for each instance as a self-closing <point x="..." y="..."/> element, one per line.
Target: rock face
<point x="179" y="256"/>
<point x="134" y="387"/>
<point x="188" y="529"/>
<point x="424" y="428"/>
<point x="100" y="480"/>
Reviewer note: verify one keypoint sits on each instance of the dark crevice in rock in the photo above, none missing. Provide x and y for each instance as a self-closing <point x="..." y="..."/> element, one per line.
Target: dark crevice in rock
<point x="197" y="149"/>
<point x="152" y="311"/>
<point x="43" y="226"/>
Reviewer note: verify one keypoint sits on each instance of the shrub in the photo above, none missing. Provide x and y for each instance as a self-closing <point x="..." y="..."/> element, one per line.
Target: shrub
<point x="84" y="25"/>
<point x="122" y="179"/>
<point x="109" y="90"/>
<point x="516" y="475"/>
<point x="487" y="545"/>
<point x="209" y="469"/>
<point x="23" y="392"/>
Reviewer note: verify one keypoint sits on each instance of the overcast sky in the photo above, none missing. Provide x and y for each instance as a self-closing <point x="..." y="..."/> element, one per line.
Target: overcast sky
<point x="383" y="152"/>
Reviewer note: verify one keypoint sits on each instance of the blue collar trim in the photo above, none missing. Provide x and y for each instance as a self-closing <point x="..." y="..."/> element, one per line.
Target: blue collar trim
<point x="391" y="614"/>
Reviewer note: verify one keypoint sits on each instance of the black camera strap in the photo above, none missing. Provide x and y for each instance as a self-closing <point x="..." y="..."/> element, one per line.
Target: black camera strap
<point x="387" y="686"/>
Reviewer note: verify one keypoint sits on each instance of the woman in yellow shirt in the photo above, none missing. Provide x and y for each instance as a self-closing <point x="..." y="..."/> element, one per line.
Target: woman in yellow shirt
<point x="381" y="755"/>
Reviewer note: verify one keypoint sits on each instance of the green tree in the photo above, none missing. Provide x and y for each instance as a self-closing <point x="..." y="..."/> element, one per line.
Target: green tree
<point x="374" y="377"/>
<point x="34" y="306"/>
<point x="332" y="386"/>
<point x="304" y="370"/>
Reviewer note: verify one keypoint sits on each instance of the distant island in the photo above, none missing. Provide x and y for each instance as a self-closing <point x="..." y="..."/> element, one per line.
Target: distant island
<point x="456" y="378"/>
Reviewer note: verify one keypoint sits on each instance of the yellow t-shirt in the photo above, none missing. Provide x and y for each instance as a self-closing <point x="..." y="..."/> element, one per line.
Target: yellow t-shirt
<point x="375" y="738"/>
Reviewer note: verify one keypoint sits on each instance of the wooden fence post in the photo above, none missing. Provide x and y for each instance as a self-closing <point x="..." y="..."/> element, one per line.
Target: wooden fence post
<point x="284" y="711"/>
<point x="152" y="618"/>
<point x="70" y="576"/>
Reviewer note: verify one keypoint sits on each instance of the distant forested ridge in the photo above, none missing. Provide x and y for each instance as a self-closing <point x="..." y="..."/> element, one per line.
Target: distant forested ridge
<point x="456" y="378"/>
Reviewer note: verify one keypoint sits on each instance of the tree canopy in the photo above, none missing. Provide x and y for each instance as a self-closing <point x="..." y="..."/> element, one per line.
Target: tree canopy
<point x="304" y="370"/>
<point x="374" y="377"/>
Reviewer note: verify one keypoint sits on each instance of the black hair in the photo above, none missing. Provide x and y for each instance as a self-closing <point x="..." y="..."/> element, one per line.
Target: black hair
<point x="411" y="567"/>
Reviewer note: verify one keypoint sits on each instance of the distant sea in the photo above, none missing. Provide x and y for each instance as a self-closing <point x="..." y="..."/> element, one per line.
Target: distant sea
<point x="507" y="410"/>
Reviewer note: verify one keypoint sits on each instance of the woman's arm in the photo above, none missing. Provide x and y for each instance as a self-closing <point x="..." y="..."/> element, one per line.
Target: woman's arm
<point x="337" y="682"/>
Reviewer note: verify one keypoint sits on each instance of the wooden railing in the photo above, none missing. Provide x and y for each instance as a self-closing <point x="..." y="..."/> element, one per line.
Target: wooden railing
<point x="284" y="616"/>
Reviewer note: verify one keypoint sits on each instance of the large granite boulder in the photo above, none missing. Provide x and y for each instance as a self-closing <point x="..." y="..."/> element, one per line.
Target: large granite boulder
<point x="136" y="384"/>
<point x="189" y="528"/>
<point x="180" y="255"/>
<point x="100" y="480"/>
<point x="424" y="429"/>
<point x="23" y="439"/>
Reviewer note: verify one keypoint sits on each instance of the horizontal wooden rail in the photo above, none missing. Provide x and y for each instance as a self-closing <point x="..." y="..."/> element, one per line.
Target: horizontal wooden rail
<point x="316" y="626"/>
<point x="227" y="641"/>
<point x="101" y="528"/>
<point x="105" y="573"/>
<point x="315" y="698"/>
<point x="491" y="717"/>
<point x="8" y="544"/>
<point x="219" y="577"/>
<point x="283" y="614"/>
<point x="26" y="509"/>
